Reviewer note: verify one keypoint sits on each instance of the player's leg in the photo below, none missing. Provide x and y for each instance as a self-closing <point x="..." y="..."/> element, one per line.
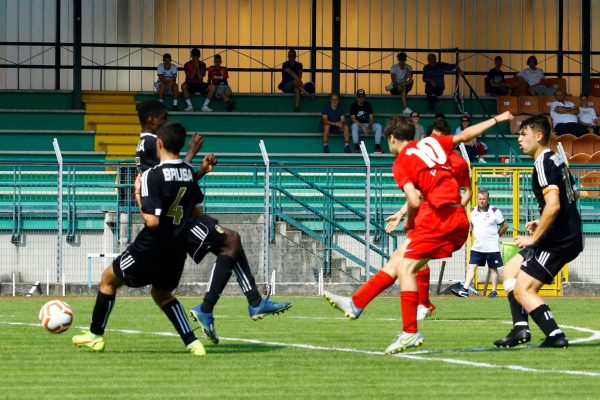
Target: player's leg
<point x="353" y="306"/>
<point x="520" y="332"/>
<point x="425" y="307"/>
<point x="105" y="301"/>
<point x="494" y="281"/>
<point x="407" y="275"/>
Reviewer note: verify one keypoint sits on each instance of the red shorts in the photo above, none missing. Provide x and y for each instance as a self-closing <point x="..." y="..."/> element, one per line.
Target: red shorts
<point x="438" y="232"/>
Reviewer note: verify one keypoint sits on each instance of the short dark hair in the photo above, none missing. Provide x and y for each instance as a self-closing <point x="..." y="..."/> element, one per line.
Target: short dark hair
<point x="172" y="135"/>
<point x="167" y="55"/>
<point x="402" y="56"/>
<point x="532" y="58"/>
<point x="442" y="126"/>
<point x="498" y="58"/>
<point x="149" y="108"/>
<point x="195" y="52"/>
<point x="540" y="123"/>
<point x="401" y="127"/>
<point x="439" y="115"/>
<point x="217" y="57"/>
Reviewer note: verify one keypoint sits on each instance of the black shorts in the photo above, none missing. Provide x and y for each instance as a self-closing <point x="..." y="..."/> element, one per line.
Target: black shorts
<point x="287" y="87"/>
<point x="161" y="269"/>
<point x="397" y="92"/>
<point x="204" y="236"/>
<point x="543" y="264"/>
<point x="494" y="260"/>
<point x="201" y="87"/>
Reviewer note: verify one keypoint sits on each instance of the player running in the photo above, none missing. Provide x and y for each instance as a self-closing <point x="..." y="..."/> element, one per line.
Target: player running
<point x="555" y="239"/>
<point x="434" y="231"/>
<point x="206" y="235"/>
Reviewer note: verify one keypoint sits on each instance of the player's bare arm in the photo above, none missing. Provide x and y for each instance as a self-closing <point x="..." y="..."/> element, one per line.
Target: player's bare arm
<point x="467" y="195"/>
<point x="208" y="163"/>
<point x="476" y="130"/>
<point x="413" y="200"/>
<point x="194" y="147"/>
<point x="548" y="216"/>
<point x="150" y="220"/>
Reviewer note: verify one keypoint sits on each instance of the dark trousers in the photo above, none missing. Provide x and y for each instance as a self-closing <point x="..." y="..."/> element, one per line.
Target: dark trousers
<point x="573" y="128"/>
<point x="432" y="93"/>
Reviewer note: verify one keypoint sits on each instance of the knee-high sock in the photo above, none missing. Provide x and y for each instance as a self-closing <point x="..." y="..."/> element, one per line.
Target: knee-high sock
<point x="102" y="309"/>
<point x="519" y="315"/>
<point x="219" y="277"/>
<point x="408" y="304"/>
<point x="367" y="292"/>
<point x="423" y="277"/>
<point x="545" y="320"/>
<point x="176" y="314"/>
<point x="246" y="280"/>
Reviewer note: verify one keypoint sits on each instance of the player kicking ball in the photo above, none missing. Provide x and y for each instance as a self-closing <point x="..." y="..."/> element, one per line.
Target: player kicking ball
<point x="554" y="240"/>
<point x="433" y="231"/>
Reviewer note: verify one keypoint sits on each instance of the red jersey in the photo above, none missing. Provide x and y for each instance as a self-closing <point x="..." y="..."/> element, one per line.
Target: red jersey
<point x="460" y="169"/>
<point x="217" y="75"/>
<point x="188" y="67"/>
<point x="426" y="164"/>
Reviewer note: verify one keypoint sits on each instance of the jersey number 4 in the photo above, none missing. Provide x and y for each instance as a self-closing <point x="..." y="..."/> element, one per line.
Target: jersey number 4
<point x="176" y="211"/>
<point x="430" y="151"/>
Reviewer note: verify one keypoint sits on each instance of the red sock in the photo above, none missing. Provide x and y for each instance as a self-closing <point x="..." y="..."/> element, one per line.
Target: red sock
<point x="408" y="304"/>
<point x="423" y="286"/>
<point x="367" y="292"/>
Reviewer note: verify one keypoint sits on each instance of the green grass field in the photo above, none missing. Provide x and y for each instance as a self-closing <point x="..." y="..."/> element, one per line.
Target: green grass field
<point x="307" y="353"/>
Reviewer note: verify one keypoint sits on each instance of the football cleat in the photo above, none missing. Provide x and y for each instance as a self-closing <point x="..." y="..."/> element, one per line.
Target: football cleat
<point x="424" y="311"/>
<point x="345" y="304"/>
<point x="518" y="335"/>
<point x="404" y="341"/>
<point x="207" y="323"/>
<point x="493" y="295"/>
<point x="196" y="348"/>
<point x="90" y="341"/>
<point x="267" y="307"/>
<point x="559" y="341"/>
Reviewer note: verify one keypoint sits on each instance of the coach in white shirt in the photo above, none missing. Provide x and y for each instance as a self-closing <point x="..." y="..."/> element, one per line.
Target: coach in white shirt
<point x="488" y="225"/>
<point x="564" y="116"/>
<point x="535" y="79"/>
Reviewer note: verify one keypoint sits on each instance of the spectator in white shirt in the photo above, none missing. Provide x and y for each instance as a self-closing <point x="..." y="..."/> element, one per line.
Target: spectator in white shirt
<point x="167" y="80"/>
<point x="535" y="79"/>
<point x="488" y="225"/>
<point x="564" y="116"/>
<point x="402" y="81"/>
<point x="587" y="116"/>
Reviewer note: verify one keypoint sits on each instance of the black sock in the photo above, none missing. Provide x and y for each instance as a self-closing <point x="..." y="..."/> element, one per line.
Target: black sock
<point x="545" y="320"/>
<point x="519" y="315"/>
<point x="176" y="314"/>
<point x="218" y="279"/>
<point x="102" y="308"/>
<point x="246" y="280"/>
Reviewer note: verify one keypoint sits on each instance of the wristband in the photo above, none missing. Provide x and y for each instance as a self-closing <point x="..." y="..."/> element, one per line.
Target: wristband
<point x="495" y="120"/>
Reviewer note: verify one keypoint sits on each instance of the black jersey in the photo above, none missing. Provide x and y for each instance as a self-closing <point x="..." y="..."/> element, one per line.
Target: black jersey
<point x="170" y="191"/>
<point x="361" y="112"/>
<point x="550" y="172"/>
<point x="146" y="156"/>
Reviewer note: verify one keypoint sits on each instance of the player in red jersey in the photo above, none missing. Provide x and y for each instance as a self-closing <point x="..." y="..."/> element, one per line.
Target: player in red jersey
<point x="434" y="231"/>
<point x="461" y="172"/>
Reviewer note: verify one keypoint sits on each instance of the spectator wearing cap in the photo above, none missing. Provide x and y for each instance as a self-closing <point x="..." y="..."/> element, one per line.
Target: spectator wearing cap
<point x="402" y="81"/>
<point x="363" y="120"/>
<point x="433" y="76"/>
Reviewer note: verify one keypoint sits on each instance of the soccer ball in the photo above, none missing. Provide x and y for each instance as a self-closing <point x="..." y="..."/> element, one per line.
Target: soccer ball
<point x="56" y="316"/>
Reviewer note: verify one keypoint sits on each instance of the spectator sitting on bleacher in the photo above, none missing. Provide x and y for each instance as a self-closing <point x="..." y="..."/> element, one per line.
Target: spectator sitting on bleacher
<point x="419" y="130"/>
<point x="333" y="120"/>
<point x="361" y="115"/>
<point x="564" y="116"/>
<point x="194" y="79"/>
<point x="433" y="76"/>
<point x="496" y="79"/>
<point x="475" y="149"/>
<point x="167" y="80"/>
<point x="217" y="78"/>
<point x="437" y="117"/>
<point x="291" y="79"/>
<point x="535" y="79"/>
<point x="402" y="81"/>
<point x="587" y="116"/>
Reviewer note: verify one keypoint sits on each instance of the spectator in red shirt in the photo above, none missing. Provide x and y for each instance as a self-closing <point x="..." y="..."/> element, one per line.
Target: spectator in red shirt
<point x="217" y="78"/>
<point x="195" y="70"/>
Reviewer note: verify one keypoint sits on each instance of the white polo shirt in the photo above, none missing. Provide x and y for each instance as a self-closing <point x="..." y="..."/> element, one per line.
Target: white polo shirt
<point x="485" y="229"/>
<point x="167" y="73"/>
<point x="587" y="115"/>
<point x="401" y="74"/>
<point x="558" y="118"/>
<point x="532" y="76"/>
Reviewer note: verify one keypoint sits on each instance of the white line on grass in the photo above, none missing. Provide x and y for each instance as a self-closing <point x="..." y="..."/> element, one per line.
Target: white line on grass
<point x="410" y="356"/>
